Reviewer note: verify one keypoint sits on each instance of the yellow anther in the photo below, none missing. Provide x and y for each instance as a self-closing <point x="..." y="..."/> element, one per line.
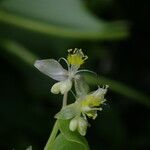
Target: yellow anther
<point x="76" y="57"/>
<point x="92" y="114"/>
<point x="91" y="101"/>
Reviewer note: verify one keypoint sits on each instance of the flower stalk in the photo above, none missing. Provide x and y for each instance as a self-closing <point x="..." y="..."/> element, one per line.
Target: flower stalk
<point x="65" y="99"/>
<point x="55" y="127"/>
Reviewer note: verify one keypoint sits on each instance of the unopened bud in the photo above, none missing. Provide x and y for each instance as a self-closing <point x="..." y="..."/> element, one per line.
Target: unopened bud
<point x="82" y="126"/>
<point x="73" y="124"/>
<point x="56" y="88"/>
<point x="61" y="87"/>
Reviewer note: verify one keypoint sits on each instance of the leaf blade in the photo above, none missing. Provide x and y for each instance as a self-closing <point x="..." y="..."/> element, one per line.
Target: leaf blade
<point x="72" y="136"/>
<point x="80" y="23"/>
<point x="68" y="112"/>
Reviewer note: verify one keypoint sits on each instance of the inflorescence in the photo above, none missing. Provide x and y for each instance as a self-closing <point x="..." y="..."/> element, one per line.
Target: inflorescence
<point x="86" y="103"/>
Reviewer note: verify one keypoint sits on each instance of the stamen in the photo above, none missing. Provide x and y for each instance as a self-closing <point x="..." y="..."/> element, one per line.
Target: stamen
<point x="76" y="57"/>
<point x="61" y="58"/>
<point x="85" y="70"/>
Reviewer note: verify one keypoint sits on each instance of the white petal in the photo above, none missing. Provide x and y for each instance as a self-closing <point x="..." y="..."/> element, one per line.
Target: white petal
<point x="51" y="68"/>
<point x="100" y="92"/>
<point x="81" y="86"/>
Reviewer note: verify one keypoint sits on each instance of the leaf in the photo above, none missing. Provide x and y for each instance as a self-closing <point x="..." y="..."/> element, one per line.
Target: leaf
<point x="119" y="88"/>
<point x="72" y="136"/>
<point x="68" y="112"/>
<point x="65" y="18"/>
<point x="18" y="50"/>
<point x="61" y="143"/>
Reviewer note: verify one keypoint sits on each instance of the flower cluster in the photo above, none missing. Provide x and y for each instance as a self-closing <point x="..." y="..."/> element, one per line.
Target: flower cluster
<point x="87" y="103"/>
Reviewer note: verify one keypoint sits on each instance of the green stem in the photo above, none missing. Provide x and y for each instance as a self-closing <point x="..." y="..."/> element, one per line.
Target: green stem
<point x="55" y="128"/>
<point x="52" y="136"/>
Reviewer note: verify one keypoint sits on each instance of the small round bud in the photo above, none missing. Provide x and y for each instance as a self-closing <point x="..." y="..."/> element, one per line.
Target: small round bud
<point x="56" y="88"/>
<point x="61" y="87"/>
<point x="82" y="126"/>
<point x="65" y="86"/>
<point x="73" y="124"/>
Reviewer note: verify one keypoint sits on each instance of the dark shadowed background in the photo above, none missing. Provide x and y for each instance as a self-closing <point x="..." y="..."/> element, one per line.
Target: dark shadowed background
<point x="113" y="33"/>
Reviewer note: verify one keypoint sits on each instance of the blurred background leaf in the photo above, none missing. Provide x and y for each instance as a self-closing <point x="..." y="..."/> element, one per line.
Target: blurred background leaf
<point x="65" y="18"/>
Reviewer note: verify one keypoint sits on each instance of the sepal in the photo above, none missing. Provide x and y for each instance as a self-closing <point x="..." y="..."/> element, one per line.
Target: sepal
<point x="68" y="112"/>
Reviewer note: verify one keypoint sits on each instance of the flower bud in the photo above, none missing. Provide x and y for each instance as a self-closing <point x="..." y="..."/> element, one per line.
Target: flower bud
<point x="73" y="124"/>
<point x="56" y="88"/>
<point x="65" y="86"/>
<point x="82" y="126"/>
<point x="61" y="87"/>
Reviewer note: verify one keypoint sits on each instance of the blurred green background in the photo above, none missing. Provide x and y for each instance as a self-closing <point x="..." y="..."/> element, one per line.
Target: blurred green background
<point x="112" y="33"/>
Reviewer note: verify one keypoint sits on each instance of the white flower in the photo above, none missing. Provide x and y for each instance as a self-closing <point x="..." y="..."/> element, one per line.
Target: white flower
<point x="85" y="106"/>
<point x="54" y="69"/>
<point x="92" y="102"/>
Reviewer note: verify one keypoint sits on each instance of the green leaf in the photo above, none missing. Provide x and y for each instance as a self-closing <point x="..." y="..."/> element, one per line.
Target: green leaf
<point x="64" y="18"/>
<point x="68" y="112"/>
<point x="72" y="136"/>
<point x="18" y="50"/>
<point x="61" y="143"/>
<point x="119" y="88"/>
